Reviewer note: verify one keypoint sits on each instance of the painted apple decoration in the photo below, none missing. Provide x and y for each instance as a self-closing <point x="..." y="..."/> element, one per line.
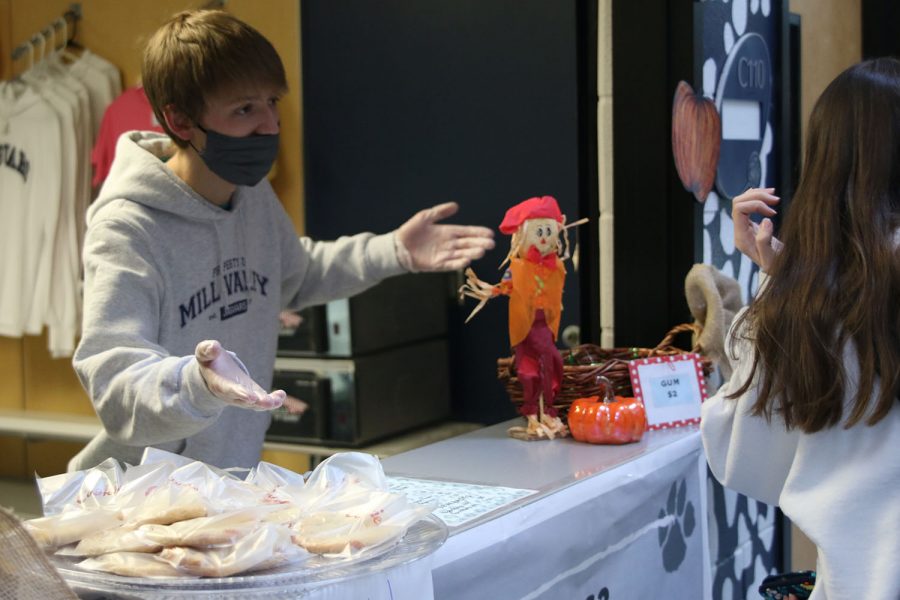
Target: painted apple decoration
<point x="615" y="420"/>
<point x="696" y="138"/>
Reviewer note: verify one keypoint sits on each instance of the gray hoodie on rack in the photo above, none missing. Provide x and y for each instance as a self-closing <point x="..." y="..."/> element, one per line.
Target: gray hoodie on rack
<point x="165" y="269"/>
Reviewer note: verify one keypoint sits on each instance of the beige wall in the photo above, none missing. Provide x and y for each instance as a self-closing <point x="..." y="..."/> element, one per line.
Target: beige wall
<point x="830" y="41"/>
<point x="117" y="31"/>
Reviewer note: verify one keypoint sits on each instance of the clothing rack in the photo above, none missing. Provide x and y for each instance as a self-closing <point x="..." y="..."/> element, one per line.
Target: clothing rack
<point x="73" y="15"/>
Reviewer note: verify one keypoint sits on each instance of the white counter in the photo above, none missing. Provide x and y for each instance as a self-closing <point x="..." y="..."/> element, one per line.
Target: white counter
<point x="616" y="522"/>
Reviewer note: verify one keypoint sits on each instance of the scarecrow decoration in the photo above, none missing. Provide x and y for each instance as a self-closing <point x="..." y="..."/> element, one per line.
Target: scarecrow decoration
<point x="534" y="283"/>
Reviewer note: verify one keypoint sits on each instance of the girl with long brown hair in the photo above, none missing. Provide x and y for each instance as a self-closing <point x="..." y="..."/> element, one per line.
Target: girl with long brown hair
<point x="810" y="419"/>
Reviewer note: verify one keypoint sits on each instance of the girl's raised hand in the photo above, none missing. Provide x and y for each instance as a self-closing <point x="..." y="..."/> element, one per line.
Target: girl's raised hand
<point x="756" y="241"/>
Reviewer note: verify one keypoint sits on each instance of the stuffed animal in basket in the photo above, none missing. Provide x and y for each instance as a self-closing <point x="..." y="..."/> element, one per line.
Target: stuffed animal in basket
<point x="534" y="283"/>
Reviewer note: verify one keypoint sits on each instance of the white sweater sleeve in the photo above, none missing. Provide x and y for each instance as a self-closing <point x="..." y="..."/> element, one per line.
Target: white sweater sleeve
<point x="319" y="271"/>
<point x="746" y="453"/>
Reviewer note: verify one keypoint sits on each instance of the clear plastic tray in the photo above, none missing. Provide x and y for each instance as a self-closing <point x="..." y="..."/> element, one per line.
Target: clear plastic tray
<point x="422" y="538"/>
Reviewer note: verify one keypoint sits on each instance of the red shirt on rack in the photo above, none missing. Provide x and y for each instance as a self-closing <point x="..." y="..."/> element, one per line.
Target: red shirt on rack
<point x="129" y="111"/>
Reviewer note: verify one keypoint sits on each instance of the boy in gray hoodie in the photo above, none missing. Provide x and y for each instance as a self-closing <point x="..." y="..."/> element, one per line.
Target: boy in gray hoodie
<point x="189" y="252"/>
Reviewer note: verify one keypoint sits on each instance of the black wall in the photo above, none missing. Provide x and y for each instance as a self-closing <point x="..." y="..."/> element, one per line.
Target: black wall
<point x="880" y="28"/>
<point x="485" y="102"/>
<point x="655" y="218"/>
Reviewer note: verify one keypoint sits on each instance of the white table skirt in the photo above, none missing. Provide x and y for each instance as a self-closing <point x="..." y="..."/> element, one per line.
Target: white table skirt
<point x="611" y="522"/>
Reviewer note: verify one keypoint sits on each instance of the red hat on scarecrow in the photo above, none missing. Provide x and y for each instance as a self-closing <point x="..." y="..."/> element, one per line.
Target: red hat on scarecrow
<point x="543" y="207"/>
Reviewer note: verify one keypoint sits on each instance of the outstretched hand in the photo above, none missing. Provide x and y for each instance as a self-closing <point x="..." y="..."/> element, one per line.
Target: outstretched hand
<point x="756" y="241"/>
<point x="424" y="245"/>
<point x="227" y="379"/>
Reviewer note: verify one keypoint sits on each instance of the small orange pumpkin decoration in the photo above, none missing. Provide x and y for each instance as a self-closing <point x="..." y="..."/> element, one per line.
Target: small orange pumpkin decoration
<point x="613" y="420"/>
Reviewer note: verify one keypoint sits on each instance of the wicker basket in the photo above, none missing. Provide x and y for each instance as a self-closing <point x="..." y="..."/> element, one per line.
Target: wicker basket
<point x="583" y="364"/>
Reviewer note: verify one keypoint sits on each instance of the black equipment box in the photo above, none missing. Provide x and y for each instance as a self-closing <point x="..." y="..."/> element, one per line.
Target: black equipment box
<point x="357" y="401"/>
<point x="370" y="366"/>
<point x="399" y="310"/>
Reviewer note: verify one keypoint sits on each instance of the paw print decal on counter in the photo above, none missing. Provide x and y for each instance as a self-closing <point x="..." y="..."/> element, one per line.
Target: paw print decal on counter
<point x="672" y="536"/>
<point x="603" y="594"/>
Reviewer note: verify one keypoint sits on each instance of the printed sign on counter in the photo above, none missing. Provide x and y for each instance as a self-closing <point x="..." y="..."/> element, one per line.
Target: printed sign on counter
<point x="457" y="503"/>
<point x="671" y="388"/>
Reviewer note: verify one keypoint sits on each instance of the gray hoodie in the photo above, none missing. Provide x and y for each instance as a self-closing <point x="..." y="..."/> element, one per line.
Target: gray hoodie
<point x="165" y="269"/>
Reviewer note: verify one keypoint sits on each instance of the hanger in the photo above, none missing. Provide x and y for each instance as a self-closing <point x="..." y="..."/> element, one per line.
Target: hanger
<point x="48" y="66"/>
<point x="51" y="61"/>
<point x="73" y="13"/>
<point x="48" y="42"/>
<point x="61" y="51"/>
<point x="17" y="83"/>
<point x="37" y="68"/>
<point x="30" y="54"/>
<point x="41" y="38"/>
<point x="60" y="23"/>
<point x="69" y="44"/>
<point x="67" y="51"/>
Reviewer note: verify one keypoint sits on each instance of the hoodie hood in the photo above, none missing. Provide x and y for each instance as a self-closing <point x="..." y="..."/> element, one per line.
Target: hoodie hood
<point x="139" y="174"/>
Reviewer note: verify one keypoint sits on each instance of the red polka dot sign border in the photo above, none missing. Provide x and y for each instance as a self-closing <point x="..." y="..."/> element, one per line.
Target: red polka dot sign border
<point x="638" y="393"/>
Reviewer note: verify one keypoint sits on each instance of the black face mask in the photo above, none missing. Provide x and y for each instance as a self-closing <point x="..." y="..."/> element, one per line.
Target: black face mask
<point x="239" y="160"/>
